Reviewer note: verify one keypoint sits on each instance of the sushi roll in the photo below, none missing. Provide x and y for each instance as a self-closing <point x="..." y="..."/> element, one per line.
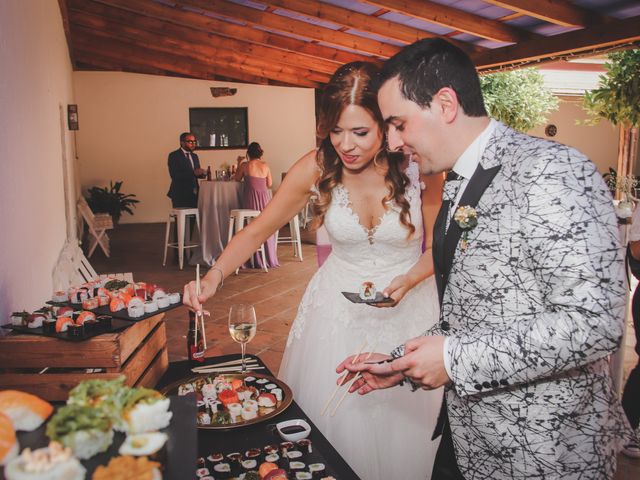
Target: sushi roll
<point x="145" y="410"/>
<point x="164" y="302"/>
<point x="293" y="466"/>
<point x="158" y="292"/>
<point x="262" y="381"/>
<point x="235" y="409"/>
<point x="252" y="404"/>
<point x="84" y="316"/>
<point x="19" y="319"/>
<point x="303" y="476"/>
<point x="49" y="326"/>
<point x="62" y="324"/>
<point x="272" y="457"/>
<point x="267" y="400"/>
<point x="174" y="298"/>
<point x="208" y="390"/>
<point x="249" y="464"/>
<point x="248" y="413"/>
<point x="9" y="446"/>
<point x="54" y="462"/>
<point x="150" y="306"/>
<point x="215" y="458"/>
<point x="317" y="470"/>
<point x="60" y="296"/>
<point x="135" y="301"/>
<point x="135" y="311"/>
<point x="367" y="291"/>
<point x="116" y="304"/>
<point x="65" y="312"/>
<point x="294" y="454"/>
<point x="265" y="468"/>
<point x="278" y="474"/>
<point x="277" y="392"/>
<point x="202" y="472"/>
<point x="204" y="418"/>
<point x="35" y="320"/>
<point x="103" y="301"/>
<point x="91" y="303"/>
<point x="86" y="430"/>
<point x="305" y="445"/>
<point x="144" y="444"/>
<point x="222" y="470"/>
<point x="269" y="449"/>
<point x="270" y="386"/>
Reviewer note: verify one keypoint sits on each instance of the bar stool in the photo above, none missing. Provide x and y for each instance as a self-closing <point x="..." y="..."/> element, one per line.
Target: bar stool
<point x="294" y="237"/>
<point x="179" y="215"/>
<point x="237" y="219"/>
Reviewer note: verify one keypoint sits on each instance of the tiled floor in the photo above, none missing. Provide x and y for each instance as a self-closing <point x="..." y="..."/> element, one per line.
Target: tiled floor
<point x="138" y="248"/>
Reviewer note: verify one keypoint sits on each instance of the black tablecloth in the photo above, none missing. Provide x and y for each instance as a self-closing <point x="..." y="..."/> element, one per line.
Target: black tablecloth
<point x="257" y="435"/>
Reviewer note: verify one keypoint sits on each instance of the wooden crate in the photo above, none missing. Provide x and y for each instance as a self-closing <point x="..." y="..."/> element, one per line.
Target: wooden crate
<point x="139" y="353"/>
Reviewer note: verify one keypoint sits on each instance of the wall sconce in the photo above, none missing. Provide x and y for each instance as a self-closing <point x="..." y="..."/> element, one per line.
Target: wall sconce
<point x="72" y="117"/>
<point x="223" y="91"/>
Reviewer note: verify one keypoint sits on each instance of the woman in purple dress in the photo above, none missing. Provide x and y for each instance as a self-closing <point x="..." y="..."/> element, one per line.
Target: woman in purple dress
<point x="256" y="194"/>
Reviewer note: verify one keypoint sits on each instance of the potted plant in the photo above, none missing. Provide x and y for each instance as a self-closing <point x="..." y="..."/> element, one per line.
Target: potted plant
<point x="618" y="100"/>
<point x="111" y="200"/>
<point x="518" y="98"/>
<point x="624" y="188"/>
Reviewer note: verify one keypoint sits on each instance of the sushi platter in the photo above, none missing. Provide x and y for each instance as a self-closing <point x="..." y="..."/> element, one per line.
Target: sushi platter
<point x="74" y="333"/>
<point x="234" y="400"/>
<point x="299" y="460"/>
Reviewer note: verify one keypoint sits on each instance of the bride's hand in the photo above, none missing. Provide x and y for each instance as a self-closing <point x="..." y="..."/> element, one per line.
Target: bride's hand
<point x="396" y="290"/>
<point x="189" y="297"/>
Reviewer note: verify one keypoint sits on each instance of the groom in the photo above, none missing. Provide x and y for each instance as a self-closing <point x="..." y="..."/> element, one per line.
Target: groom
<point x="530" y="279"/>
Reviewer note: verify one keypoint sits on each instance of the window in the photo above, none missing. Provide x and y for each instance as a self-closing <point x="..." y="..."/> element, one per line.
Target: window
<point x="219" y="128"/>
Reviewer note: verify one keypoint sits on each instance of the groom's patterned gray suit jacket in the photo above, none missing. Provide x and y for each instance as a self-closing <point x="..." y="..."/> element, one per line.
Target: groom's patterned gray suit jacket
<point x="533" y="307"/>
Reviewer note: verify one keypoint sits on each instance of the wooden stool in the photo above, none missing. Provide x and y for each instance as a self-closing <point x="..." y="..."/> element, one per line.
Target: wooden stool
<point x="237" y="219"/>
<point x="180" y="215"/>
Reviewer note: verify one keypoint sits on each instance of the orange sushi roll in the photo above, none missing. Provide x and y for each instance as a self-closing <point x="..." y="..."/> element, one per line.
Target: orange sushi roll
<point x="116" y="304"/>
<point x="26" y="411"/>
<point x="8" y="442"/>
<point x="84" y="316"/>
<point x="62" y="324"/>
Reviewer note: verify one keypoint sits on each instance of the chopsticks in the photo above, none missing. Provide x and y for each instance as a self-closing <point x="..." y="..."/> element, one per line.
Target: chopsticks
<point x="351" y="382"/>
<point x="214" y="369"/>
<point x="248" y="361"/>
<point x="199" y="313"/>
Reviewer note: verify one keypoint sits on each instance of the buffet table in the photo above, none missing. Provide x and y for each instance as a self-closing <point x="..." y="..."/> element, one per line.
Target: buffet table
<point x="242" y="438"/>
<point x="215" y="200"/>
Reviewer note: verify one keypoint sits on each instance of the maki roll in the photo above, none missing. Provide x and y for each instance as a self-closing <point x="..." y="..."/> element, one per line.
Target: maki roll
<point x="215" y="458"/>
<point x="135" y="311"/>
<point x="303" y="476"/>
<point x="86" y="430"/>
<point x="222" y="470"/>
<point x="164" y="302"/>
<point x="202" y="472"/>
<point x="145" y="410"/>
<point x="35" y="320"/>
<point x="145" y="444"/>
<point x="174" y="298"/>
<point x="19" y="319"/>
<point x="84" y="316"/>
<point x="91" y="303"/>
<point x="249" y="464"/>
<point x="317" y="470"/>
<point x="367" y="291"/>
<point x="305" y="445"/>
<point x="150" y="306"/>
<point x="54" y="462"/>
<point x="59" y="296"/>
<point x="63" y="323"/>
<point x="296" y="466"/>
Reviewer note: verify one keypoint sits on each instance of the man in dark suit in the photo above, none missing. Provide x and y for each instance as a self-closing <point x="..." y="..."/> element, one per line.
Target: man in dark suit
<point x="184" y="168"/>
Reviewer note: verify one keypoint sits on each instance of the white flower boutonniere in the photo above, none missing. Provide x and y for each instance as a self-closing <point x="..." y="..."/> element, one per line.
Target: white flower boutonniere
<point x="467" y="218"/>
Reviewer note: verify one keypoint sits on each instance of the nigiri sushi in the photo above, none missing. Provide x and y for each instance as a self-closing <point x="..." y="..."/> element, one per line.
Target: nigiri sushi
<point x="26" y="411"/>
<point x="8" y="442"/>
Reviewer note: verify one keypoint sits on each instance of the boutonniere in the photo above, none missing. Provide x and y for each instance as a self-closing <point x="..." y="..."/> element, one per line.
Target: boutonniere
<point x="467" y="218"/>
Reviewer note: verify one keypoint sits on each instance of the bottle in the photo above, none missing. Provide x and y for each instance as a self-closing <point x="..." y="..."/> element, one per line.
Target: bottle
<point x="212" y="139"/>
<point x="195" y="350"/>
<point x="209" y="173"/>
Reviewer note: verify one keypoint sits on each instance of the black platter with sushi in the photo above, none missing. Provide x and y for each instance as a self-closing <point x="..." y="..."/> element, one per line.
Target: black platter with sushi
<point x="74" y="332"/>
<point x="299" y="460"/>
<point x="232" y="400"/>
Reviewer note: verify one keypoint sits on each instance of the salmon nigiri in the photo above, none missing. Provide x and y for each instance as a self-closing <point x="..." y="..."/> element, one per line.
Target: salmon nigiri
<point x="26" y="411"/>
<point x="8" y="443"/>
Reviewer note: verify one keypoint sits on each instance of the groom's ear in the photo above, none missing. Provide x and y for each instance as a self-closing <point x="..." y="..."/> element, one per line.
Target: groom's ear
<point x="447" y="102"/>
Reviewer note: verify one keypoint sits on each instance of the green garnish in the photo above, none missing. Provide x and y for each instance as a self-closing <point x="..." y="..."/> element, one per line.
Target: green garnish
<point x="72" y="418"/>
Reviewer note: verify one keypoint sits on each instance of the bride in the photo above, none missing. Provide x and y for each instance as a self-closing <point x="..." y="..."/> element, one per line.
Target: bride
<point x="375" y="208"/>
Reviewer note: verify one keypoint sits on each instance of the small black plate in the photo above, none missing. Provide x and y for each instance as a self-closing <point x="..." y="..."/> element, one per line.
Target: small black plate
<point x="355" y="298"/>
<point x="116" y="326"/>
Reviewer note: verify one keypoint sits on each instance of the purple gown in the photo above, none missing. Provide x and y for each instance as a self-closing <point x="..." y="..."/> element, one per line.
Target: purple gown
<point x="255" y="196"/>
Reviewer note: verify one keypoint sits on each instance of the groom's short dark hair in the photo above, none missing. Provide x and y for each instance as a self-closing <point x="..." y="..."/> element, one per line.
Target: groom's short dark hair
<point x="426" y="66"/>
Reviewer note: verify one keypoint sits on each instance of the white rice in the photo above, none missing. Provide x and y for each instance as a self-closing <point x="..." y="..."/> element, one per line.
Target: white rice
<point x="86" y="443"/>
<point x="149" y="417"/>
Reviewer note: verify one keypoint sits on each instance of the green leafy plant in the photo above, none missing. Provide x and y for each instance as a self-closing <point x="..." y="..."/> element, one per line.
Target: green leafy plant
<point x="518" y="98"/>
<point x="617" y="99"/>
<point x="111" y="200"/>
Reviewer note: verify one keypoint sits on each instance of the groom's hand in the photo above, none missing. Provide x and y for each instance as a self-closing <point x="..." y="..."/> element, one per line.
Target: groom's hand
<point x="423" y="362"/>
<point x="369" y="381"/>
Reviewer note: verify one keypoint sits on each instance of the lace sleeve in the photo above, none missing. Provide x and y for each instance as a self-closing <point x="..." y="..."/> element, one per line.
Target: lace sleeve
<point x="415" y="184"/>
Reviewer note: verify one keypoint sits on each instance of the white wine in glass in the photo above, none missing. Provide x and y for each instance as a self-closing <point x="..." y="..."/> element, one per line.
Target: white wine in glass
<point x="242" y="326"/>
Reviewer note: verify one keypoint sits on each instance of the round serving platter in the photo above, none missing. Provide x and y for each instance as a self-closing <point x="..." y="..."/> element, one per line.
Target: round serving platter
<point x="264" y="413"/>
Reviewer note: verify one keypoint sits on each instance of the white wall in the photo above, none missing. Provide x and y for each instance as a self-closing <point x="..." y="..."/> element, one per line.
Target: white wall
<point x="130" y="122"/>
<point x="35" y="83"/>
<point x="599" y="142"/>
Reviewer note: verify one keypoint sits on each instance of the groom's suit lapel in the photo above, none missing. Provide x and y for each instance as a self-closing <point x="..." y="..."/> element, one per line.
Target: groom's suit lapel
<point x="444" y="247"/>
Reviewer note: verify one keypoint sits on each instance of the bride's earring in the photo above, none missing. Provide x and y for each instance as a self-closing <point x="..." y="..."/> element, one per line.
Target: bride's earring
<point x="375" y="157"/>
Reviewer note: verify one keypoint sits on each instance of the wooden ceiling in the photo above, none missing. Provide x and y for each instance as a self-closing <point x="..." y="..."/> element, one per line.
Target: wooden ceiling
<point x="302" y="42"/>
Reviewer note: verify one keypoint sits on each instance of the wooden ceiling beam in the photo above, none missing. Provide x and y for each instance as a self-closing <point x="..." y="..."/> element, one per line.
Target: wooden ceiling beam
<point x="253" y="16"/>
<point x="456" y="19"/>
<point x="91" y="58"/>
<point x="88" y="12"/>
<point x="102" y="41"/>
<point x="365" y="23"/>
<point x="559" y="12"/>
<point x="207" y="24"/>
<point x="588" y="39"/>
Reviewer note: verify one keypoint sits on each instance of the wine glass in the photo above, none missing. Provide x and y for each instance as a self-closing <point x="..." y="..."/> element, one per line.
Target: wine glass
<point x="242" y="326"/>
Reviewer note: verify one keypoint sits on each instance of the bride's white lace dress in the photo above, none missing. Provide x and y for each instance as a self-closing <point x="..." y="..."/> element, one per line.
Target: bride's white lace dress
<point x="385" y="434"/>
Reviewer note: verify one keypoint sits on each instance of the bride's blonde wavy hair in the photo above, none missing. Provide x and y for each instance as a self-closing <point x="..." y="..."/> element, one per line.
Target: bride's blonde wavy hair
<point x="352" y="84"/>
